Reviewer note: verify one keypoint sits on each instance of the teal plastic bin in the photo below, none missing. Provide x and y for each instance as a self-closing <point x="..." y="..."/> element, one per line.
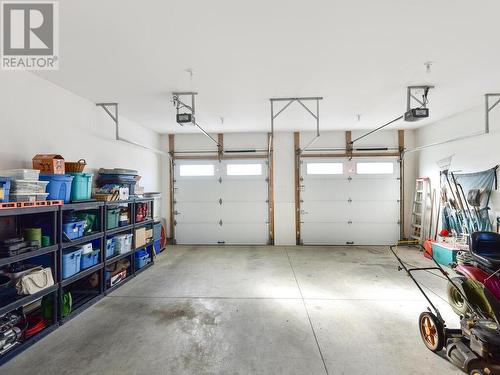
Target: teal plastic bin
<point x="443" y="254"/>
<point x="113" y="218"/>
<point x="81" y="188"/>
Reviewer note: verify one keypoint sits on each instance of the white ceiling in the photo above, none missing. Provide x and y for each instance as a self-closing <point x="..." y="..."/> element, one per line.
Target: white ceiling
<point x="358" y="54"/>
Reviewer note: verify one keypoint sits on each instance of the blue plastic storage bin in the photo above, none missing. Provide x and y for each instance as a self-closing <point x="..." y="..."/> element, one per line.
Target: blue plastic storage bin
<point x="59" y="187"/>
<point x="71" y="262"/>
<point x="4" y="189"/>
<point x="90" y="259"/>
<point x="110" y="248"/>
<point x="142" y="258"/>
<point x="74" y="229"/>
<point x="157" y="231"/>
<point x="157" y="246"/>
<point x="81" y="186"/>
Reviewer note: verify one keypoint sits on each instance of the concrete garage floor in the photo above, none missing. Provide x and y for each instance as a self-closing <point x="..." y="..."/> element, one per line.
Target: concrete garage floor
<point x="251" y="310"/>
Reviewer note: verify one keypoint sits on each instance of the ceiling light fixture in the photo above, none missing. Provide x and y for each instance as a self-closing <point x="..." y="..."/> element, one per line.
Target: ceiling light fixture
<point x="428" y="66"/>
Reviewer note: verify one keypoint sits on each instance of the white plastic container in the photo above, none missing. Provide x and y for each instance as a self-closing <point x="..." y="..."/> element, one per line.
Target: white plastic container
<point x="123" y="243"/>
<point x="87" y="248"/>
<point x="156" y="204"/>
<point x="28" y="197"/>
<point x="28" y="186"/>
<point x="21" y="174"/>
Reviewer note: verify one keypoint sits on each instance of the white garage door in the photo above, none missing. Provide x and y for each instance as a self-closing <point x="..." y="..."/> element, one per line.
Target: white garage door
<point x="221" y="202"/>
<point x="349" y="202"/>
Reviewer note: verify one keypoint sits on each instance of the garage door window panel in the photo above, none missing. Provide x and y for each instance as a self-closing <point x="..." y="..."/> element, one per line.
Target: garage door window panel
<point x="324" y="169"/>
<point x="196" y="170"/>
<point x="379" y="168"/>
<point x="253" y="169"/>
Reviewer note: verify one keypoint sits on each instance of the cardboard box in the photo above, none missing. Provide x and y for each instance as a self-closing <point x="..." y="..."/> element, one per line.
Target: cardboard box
<point x="49" y="163"/>
<point x="140" y="237"/>
<point x="149" y="235"/>
<point x="117" y="278"/>
<point x="143" y="236"/>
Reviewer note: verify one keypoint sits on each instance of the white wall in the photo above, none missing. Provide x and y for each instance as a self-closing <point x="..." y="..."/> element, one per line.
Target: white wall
<point x="284" y="189"/>
<point x="37" y="116"/>
<point x="469" y="155"/>
<point x="284" y="167"/>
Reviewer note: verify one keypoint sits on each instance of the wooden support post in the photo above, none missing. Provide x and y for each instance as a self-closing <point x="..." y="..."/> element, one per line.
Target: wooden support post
<point x="270" y="142"/>
<point x="348" y="144"/>
<point x="171" y="151"/>
<point x="220" y="147"/>
<point x="296" y="153"/>
<point x="401" y="145"/>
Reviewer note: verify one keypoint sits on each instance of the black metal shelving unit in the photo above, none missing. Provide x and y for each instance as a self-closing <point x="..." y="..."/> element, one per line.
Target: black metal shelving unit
<point x="26" y="300"/>
<point x="18" y="215"/>
<point x="97" y="208"/>
<point x="56" y="250"/>
<point x="27" y="343"/>
<point x="31" y="254"/>
<point x="129" y="228"/>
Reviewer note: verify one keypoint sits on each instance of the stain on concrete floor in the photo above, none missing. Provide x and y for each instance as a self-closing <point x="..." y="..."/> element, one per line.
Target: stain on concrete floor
<point x="186" y="311"/>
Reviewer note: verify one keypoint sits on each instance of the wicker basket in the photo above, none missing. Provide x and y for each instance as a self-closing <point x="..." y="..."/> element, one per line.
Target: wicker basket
<point x="75" y="166"/>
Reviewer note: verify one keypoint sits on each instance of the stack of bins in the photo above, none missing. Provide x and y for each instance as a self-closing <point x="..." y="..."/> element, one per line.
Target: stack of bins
<point x="25" y="185"/>
<point x="110" y="179"/>
<point x="5" y="189"/>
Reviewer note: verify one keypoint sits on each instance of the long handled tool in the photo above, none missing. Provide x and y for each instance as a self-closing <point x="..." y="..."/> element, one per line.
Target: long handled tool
<point x="465" y="208"/>
<point x="438" y="216"/>
<point x="433" y="200"/>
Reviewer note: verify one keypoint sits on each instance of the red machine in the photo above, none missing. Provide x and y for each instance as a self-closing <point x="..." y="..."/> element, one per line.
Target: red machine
<point x="482" y="264"/>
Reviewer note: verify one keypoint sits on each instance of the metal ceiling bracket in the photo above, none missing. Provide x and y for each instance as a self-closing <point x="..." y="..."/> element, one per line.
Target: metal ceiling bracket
<point x="301" y="101"/>
<point x="179" y="105"/>
<point x="489" y="108"/>
<point x="410" y="94"/>
<point x="112" y="110"/>
<point x="410" y="98"/>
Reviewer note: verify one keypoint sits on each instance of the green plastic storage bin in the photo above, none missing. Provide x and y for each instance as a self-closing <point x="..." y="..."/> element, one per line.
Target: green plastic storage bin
<point x="113" y="218"/>
<point x="81" y="187"/>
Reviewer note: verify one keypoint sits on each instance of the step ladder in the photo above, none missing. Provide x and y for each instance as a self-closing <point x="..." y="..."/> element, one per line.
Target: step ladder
<point x="419" y="210"/>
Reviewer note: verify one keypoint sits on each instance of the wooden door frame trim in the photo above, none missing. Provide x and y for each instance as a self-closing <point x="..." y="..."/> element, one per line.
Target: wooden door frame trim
<point x="171" y="150"/>
<point x="296" y="154"/>
<point x="270" y="176"/>
<point x="401" y="144"/>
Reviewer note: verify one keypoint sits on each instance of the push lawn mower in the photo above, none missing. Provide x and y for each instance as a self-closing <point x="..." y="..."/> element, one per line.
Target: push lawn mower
<point x="475" y="347"/>
<point x="478" y="275"/>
